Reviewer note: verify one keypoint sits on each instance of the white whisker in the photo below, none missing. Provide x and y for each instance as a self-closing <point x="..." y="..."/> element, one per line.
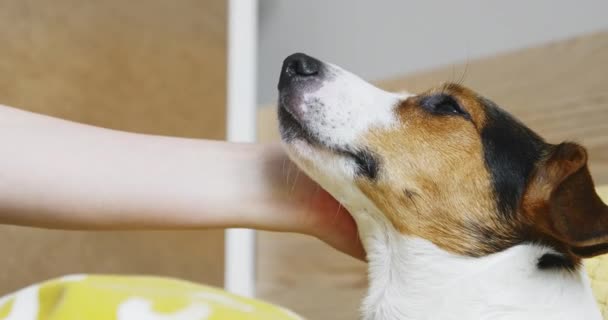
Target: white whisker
<point x="295" y="180"/>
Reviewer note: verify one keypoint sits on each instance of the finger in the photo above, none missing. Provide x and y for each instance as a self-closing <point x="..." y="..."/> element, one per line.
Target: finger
<point x="342" y="234"/>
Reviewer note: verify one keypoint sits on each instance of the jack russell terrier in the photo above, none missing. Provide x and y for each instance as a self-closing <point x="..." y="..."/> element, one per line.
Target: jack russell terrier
<point x="465" y="213"/>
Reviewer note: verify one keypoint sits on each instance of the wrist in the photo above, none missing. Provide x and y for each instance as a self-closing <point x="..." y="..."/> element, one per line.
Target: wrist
<point x="281" y="195"/>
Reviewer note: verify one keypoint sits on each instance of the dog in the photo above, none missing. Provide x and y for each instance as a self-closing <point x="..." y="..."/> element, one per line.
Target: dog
<point x="464" y="212"/>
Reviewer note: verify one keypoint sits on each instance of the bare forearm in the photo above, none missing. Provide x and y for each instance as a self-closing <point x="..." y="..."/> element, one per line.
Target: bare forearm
<point x="59" y="174"/>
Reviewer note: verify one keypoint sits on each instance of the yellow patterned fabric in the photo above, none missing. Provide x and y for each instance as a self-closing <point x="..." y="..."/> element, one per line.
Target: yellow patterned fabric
<point x="96" y="297"/>
<point x="597" y="268"/>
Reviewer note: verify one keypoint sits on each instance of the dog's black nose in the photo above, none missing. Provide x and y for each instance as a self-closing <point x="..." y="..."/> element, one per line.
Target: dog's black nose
<point x="298" y="66"/>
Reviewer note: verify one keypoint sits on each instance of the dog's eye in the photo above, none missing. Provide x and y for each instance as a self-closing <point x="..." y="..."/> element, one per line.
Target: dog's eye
<point x="448" y="106"/>
<point x="442" y="104"/>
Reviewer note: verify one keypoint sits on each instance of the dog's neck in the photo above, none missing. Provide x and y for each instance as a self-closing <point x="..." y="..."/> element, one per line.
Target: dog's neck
<point x="411" y="278"/>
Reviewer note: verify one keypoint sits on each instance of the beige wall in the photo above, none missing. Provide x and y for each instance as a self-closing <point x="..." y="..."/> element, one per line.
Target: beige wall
<point x="149" y="66"/>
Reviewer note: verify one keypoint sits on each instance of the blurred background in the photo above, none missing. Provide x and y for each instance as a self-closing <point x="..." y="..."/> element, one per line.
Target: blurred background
<point x="159" y="67"/>
<point x="390" y="38"/>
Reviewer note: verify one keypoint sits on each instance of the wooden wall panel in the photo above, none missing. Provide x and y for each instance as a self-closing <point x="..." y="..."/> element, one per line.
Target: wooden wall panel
<point x="148" y="66"/>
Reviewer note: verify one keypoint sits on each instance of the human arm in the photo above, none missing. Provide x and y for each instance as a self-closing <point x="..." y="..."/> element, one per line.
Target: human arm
<point x="65" y="175"/>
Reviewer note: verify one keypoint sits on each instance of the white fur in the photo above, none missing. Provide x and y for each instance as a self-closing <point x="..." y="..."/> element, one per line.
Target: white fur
<point x="411" y="278"/>
<point x="333" y="111"/>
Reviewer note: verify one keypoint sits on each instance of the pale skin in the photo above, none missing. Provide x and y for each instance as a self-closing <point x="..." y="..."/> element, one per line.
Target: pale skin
<point x="64" y="175"/>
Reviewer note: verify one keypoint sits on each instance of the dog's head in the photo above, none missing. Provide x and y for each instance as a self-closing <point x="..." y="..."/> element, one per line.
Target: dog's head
<point x="446" y="165"/>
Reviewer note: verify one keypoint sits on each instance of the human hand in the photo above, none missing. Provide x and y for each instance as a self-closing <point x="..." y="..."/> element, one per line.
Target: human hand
<point x="307" y="208"/>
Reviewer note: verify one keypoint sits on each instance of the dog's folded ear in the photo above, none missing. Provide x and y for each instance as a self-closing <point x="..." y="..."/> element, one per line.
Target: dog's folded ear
<point x="561" y="202"/>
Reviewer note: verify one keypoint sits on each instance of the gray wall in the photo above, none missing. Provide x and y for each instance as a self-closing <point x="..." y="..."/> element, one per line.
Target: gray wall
<point x="379" y="39"/>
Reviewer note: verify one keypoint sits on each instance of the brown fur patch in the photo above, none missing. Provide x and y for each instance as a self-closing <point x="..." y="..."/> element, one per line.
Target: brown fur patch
<point x="562" y="206"/>
<point x="434" y="183"/>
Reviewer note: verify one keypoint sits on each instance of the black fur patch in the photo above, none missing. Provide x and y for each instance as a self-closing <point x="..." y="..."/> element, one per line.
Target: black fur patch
<point x="590" y="251"/>
<point x="550" y="261"/>
<point x="367" y="164"/>
<point x="511" y="151"/>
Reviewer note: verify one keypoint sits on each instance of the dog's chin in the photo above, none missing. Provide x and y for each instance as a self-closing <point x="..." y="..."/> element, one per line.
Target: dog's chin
<point x="291" y="129"/>
<point x="303" y="143"/>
